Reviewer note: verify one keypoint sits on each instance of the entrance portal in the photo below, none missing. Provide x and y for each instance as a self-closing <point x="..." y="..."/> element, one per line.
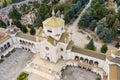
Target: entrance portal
<point x="48" y="58"/>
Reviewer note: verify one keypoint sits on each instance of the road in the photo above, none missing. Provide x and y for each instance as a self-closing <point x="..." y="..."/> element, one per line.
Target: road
<point x="81" y="39"/>
<point x="6" y="9"/>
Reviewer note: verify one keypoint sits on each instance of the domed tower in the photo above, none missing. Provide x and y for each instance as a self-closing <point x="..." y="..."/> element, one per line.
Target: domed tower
<point x="54" y="26"/>
<point x="55" y="42"/>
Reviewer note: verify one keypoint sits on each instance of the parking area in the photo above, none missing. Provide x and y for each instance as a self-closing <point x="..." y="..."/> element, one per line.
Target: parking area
<point x="11" y="67"/>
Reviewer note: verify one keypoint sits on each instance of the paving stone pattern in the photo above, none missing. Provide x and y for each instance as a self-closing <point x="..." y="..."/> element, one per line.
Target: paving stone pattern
<point x="13" y="65"/>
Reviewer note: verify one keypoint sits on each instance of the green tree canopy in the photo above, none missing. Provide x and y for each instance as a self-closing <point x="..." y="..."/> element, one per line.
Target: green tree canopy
<point x="36" y="4"/>
<point x="106" y="35"/>
<point x="24" y="29"/>
<point x="90" y="45"/>
<point x="99" y="9"/>
<point x="117" y="45"/>
<point x="2" y="24"/>
<point x="32" y="31"/>
<point x="24" y="8"/>
<point x="112" y="21"/>
<point x="17" y="23"/>
<point x="100" y="25"/>
<point x="86" y="18"/>
<point x="42" y="13"/>
<point x="93" y="25"/>
<point x="54" y="2"/>
<point x="104" y="48"/>
<point x="14" y="14"/>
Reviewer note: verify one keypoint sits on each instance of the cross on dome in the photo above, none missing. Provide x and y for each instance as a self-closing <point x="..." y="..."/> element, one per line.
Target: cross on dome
<point x="53" y="12"/>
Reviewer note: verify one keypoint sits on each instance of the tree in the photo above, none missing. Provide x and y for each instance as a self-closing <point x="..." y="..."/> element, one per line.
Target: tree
<point x="93" y="25"/>
<point x="107" y="35"/>
<point x="2" y="24"/>
<point x="90" y="45"/>
<point x="38" y="21"/>
<point x="24" y="8"/>
<point x="112" y="21"/>
<point x="118" y="14"/>
<point x="67" y="18"/>
<point x="86" y="18"/>
<point x="54" y="2"/>
<point x="117" y="45"/>
<point x="36" y="4"/>
<point x="104" y="48"/>
<point x="100" y="25"/>
<point x="42" y="13"/>
<point x="115" y="26"/>
<point x="45" y="1"/>
<point x="98" y="78"/>
<point x="99" y="9"/>
<point x="118" y="2"/>
<point x="14" y="14"/>
<point x="17" y="23"/>
<point x="32" y="31"/>
<point x="4" y="3"/>
<point x="24" y="29"/>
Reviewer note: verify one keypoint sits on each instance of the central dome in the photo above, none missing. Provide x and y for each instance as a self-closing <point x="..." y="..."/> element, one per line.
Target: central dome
<point x="53" y="22"/>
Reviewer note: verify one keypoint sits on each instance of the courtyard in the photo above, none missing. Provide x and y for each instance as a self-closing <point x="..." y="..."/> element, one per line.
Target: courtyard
<point x="75" y="73"/>
<point x="14" y="64"/>
<point x="39" y="70"/>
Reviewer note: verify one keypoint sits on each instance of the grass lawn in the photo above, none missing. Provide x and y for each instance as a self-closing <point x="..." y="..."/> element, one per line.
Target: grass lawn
<point x="7" y="55"/>
<point x="10" y="53"/>
<point x="23" y="76"/>
<point x="1" y="60"/>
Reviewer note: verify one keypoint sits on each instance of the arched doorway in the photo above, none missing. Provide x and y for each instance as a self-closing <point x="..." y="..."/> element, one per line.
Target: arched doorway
<point x="86" y="60"/>
<point x="48" y="58"/>
<point x="1" y="49"/>
<point x="2" y="56"/>
<point x="96" y="63"/>
<point x="8" y="44"/>
<point x="81" y="59"/>
<point x="91" y="62"/>
<point x="5" y="46"/>
<point x="76" y="58"/>
<point x="61" y="57"/>
<point x="20" y="41"/>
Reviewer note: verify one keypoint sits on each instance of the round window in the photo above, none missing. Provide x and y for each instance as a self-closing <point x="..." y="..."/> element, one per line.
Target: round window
<point x="47" y="48"/>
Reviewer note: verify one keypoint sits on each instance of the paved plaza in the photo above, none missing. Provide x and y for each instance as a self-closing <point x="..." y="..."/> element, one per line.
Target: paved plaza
<point x="13" y="65"/>
<point x="75" y="73"/>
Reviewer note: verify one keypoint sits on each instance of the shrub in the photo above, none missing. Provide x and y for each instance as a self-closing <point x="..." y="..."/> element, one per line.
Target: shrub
<point x="117" y="45"/>
<point x="1" y="60"/>
<point x="22" y="76"/>
<point x="104" y="48"/>
<point x="32" y="31"/>
<point x="8" y="55"/>
<point x="12" y="51"/>
<point x="90" y="45"/>
<point x="86" y="47"/>
<point x="98" y="78"/>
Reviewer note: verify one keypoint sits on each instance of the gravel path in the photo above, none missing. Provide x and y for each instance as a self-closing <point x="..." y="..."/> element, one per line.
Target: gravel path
<point x="13" y="65"/>
<point x="72" y="73"/>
